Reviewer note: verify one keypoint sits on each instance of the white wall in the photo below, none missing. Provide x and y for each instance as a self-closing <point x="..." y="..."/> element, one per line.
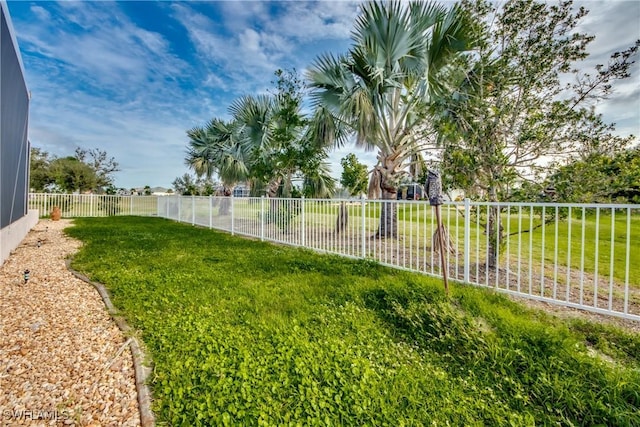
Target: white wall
<point x="12" y="235"/>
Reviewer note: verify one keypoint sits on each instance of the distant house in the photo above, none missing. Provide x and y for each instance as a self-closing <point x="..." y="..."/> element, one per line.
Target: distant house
<point x="241" y="190"/>
<point x="160" y="191"/>
<point x="15" y="218"/>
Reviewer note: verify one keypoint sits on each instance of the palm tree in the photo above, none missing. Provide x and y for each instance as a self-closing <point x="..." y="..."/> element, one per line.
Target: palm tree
<point x="377" y="89"/>
<point x="216" y="149"/>
<point x="267" y="143"/>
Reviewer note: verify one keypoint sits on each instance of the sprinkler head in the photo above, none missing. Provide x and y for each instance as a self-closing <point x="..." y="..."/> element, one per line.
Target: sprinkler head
<point x="26" y="276"/>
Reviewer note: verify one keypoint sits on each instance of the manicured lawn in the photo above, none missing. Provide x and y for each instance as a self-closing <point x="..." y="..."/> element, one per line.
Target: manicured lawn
<point x="248" y="333"/>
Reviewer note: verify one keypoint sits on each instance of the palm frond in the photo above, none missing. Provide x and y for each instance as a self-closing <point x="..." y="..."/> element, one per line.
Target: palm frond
<point x="320" y="183"/>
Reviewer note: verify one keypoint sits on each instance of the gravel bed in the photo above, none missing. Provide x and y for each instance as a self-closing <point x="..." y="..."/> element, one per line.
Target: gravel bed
<point x="63" y="361"/>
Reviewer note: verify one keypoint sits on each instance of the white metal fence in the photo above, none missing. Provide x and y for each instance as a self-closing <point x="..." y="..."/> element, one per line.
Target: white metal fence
<point x="582" y="256"/>
<point x="90" y="205"/>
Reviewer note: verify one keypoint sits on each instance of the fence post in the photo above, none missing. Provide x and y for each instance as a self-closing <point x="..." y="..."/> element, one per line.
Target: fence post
<point x="262" y="218"/>
<point x="193" y="210"/>
<point x="131" y="204"/>
<point x="91" y="204"/>
<point x="304" y="243"/>
<point x="363" y="244"/>
<point x="210" y="211"/>
<point x="179" y="198"/>
<point x="232" y="214"/>
<point x="467" y="237"/>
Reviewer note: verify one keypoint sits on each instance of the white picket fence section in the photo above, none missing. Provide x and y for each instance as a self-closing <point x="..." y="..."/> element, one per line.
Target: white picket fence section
<point x="93" y="205"/>
<point x="568" y="254"/>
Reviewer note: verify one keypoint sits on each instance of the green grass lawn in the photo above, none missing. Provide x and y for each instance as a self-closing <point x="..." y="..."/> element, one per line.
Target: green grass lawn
<point x="243" y="332"/>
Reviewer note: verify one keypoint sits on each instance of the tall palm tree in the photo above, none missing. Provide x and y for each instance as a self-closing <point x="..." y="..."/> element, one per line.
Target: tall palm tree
<point x="216" y="149"/>
<point x="265" y="143"/>
<point x="377" y="89"/>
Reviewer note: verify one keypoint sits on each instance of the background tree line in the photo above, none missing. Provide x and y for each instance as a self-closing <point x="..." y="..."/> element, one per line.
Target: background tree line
<point x="88" y="170"/>
<point x="478" y="90"/>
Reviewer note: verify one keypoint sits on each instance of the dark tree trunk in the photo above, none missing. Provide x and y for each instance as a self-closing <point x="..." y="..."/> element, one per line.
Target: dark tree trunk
<point x="495" y="230"/>
<point x="388" y="215"/>
<point x="274" y="203"/>
<point x="225" y="203"/>
<point x="343" y="218"/>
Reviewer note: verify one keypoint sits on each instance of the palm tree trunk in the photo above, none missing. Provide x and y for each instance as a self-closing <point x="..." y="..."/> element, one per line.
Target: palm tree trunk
<point x="225" y="202"/>
<point x="388" y="215"/>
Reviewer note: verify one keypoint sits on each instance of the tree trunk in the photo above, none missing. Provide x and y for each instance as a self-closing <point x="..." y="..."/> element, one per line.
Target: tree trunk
<point x="495" y="231"/>
<point x="225" y="203"/>
<point x="343" y="218"/>
<point x="388" y="216"/>
<point x="272" y="187"/>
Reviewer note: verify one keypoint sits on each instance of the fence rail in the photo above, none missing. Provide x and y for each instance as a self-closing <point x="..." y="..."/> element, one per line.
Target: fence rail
<point x="581" y="256"/>
<point x="93" y="205"/>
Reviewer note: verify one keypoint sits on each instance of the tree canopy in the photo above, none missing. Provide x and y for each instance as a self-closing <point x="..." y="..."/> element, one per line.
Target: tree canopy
<point x="89" y="170"/>
<point x="520" y="106"/>
<point x="378" y="88"/>
<point x="354" y="176"/>
<point x="266" y="143"/>
<point x="187" y="185"/>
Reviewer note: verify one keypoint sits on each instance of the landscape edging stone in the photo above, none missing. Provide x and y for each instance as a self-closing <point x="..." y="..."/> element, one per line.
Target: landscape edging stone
<point x="147" y="418"/>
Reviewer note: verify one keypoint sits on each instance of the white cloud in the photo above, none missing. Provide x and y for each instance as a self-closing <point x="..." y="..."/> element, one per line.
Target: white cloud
<point x="40" y="12"/>
<point x="310" y="21"/>
<point x="616" y="25"/>
<point x="101" y="80"/>
<point x="241" y="56"/>
<point x="109" y="50"/>
<point x="238" y="15"/>
<point x="250" y="40"/>
<point x="149" y="143"/>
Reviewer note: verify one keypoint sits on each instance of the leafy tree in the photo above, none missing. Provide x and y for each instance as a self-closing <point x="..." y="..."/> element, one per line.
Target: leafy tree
<point x="71" y="175"/>
<point x="110" y="190"/>
<point x="354" y="175"/>
<point x="207" y="186"/>
<point x="88" y="170"/>
<point x="599" y="178"/>
<point x="510" y="108"/>
<point x="377" y="89"/>
<point x="103" y="165"/>
<point x="40" y="174"/>
<point x="185" y="185"/>
<point x="147" y="190"/>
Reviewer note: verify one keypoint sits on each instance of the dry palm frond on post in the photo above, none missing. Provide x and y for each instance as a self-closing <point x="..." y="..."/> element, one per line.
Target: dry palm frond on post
<point x="433" y="190"/>
<point x="442" y="239"/>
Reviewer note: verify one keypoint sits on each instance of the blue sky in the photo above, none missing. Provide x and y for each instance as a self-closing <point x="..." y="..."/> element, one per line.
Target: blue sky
<point x="131" y="77"/>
